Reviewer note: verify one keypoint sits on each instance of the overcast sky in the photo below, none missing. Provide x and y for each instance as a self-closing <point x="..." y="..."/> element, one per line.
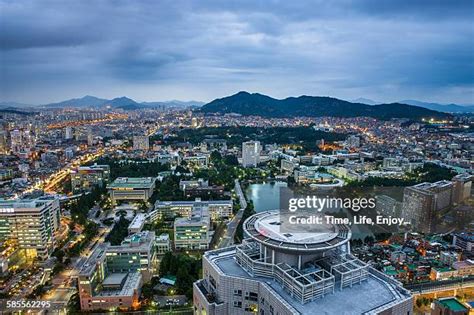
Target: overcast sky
<point x="201" y="50"/>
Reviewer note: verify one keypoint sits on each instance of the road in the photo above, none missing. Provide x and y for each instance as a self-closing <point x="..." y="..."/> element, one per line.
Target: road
<point x="228" y="239"/>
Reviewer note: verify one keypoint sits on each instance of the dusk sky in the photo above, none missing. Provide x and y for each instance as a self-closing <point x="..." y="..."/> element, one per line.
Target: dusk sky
<point x="201" y="50"/>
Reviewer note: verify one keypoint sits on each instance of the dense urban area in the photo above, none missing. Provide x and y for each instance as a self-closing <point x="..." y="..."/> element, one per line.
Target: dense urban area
<point x="172" y="209"/>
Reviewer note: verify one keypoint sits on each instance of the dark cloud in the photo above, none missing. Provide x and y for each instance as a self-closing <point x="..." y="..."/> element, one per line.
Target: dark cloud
<point x="155" y="50"/>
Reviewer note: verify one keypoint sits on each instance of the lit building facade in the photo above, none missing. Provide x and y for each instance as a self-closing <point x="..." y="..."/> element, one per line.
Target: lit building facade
<point x="30" y="224"/>
<point x="85" y="178"/>
<point x="131" y="189"/>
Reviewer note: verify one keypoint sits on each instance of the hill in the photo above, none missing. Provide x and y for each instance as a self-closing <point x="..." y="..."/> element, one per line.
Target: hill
<point x="256" y="104"/>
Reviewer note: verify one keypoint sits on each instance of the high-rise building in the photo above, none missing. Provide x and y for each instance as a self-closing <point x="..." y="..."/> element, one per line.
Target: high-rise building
<point x="141" y="143"/>
<point x="30" y="224"/>
<point x="251" y="153"/>
<point x="68" y="134"/>
<point x="423" y="201"/>
<point x="85" y="178"/>
<point x="462" y="185"/>
<point x="273" y="272"/>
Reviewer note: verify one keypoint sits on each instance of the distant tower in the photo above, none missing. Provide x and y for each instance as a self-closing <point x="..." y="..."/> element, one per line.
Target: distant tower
<point x="251" y="153"/>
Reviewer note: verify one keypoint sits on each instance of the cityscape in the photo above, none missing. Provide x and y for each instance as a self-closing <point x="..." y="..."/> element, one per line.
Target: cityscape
<point x="255" y="199"/>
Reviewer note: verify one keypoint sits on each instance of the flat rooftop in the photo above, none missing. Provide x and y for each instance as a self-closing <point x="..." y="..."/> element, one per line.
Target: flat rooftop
<point x="133" y="182"/>
<point x="131" y="284"/>
<point x="365" y="297"/>
<point x="114" y="279"/>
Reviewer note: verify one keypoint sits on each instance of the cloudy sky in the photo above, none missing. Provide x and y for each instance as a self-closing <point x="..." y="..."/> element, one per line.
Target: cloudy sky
<point x="201" y="50"/>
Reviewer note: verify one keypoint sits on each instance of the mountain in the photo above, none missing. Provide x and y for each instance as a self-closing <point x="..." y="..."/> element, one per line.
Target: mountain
<point x="123" y="102"/>
<point x="245" y="103"/>
<point x="86" y="101"/>
<point x="447" y="108"/>
<point x="174" y="103"/>
<point x="13" y="105"/>
<point x="365" y="101"/>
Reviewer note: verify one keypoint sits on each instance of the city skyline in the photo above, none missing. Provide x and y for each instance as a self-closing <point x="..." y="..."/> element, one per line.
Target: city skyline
<point x="201" y="51"/>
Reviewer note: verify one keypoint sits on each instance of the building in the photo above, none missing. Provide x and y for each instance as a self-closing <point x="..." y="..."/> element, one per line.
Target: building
<point x="197" y="161"/>
<point x="141" y="143"/>
<point x="423" y="201"/>
<point x="462" y="185"/>
<point x="85" y="178"/>
<point x="450" y="306"/>
<point x="464" y="241"/>
<point x="68" y="134"/>
<point x="449" y="258"/>
<point x="218" y="209"/>
<point x="251" y="153"/>
<point x="113" y="276"/>
<point x="131" y="189"/>
<point x="199" y="188"/>
<point x="294" y="273"/>
<point x="6" y="174"/>
<point x="387" y="205"/>
<point x="464" y="268"/>
<point x="353" y="142"/>
<point x="193" y="232"/>
<point x="30" y="224"/>
<point x="162" y="244"/>
<point x="137" y="223"/>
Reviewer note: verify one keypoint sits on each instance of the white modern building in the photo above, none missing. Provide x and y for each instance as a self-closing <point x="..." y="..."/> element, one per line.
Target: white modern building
<point x="273" y="272"/>
<point x="251" y="153"/>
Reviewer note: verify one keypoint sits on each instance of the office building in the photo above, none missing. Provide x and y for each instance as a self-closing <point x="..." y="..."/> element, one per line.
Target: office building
<point x="162" y="244"/>
<point x="462" y="185"/>
<point x="131" y="189"/>
<point x="273" y="272"/>
<point x="113" y="276"/>
<point x="423" y="201"/>
<point x="30" y="224"/>
<point x="141" y="143"/>
<point x="85" y="178"/>
<point x="193" y="232"/>
<point x="251" y="153"/>
<point x="218" y="209"/>
<point x="137" y="223"/>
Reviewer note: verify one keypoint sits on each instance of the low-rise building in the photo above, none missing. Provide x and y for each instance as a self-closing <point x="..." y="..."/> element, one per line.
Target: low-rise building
<point x="84" y="178"/>
<point x="193" y="232"/>
<point x="218" y="209"/>
<point x="131" y="189"/>
<point x="113" y="276"/>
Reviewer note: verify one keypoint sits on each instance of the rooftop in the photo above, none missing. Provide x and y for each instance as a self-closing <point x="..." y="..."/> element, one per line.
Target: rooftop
<point x="265" y="228"/>
<point x="133" y="182"/>
<point x="452" y="304"/>
<point x="114" y="279"/>
<point x="367" y="296"/>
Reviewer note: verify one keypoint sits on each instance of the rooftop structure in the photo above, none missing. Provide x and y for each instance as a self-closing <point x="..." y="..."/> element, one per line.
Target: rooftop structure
<point x="137" y="223"/>
<point x="273" y="272"/>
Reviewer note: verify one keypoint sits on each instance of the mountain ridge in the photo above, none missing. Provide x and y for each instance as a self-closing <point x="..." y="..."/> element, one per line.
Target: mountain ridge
<point x="256" y="104"/>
